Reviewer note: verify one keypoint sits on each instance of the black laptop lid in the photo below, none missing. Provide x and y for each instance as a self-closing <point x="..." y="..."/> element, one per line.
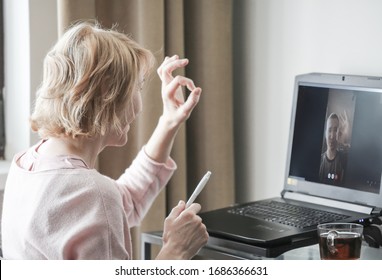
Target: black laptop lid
<point x="335" y="147"/>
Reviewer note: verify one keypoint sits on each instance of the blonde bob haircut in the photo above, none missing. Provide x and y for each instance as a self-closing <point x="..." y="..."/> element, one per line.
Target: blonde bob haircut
<point x="90" y="76"/>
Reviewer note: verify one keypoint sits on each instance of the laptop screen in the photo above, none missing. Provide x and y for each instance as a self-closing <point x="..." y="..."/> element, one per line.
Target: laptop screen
<point x="335" y="148"/>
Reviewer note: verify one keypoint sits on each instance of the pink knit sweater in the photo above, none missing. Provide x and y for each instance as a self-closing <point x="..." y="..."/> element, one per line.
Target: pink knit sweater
<point x="58" y="208"/>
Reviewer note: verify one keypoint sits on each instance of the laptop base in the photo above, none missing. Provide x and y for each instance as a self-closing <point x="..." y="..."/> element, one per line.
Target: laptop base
<point x="226" y="249"/>
<point x="253" y="251"/>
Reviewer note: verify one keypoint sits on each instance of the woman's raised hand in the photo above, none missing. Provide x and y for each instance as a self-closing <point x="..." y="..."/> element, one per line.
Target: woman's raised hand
<point x="175" y="109"/>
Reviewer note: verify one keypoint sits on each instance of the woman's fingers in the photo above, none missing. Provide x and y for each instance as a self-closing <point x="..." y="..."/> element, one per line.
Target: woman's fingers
<point x="192" y="100"/>
<point x="174" y="103"/>
<point x="194" y="208"/>
<point x="168" y="66"/>
<point x="176" y="109"/>
<point x="177" y="82"/>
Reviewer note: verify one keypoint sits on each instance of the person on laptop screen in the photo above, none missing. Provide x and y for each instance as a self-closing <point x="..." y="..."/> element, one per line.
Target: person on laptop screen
<point x="343" y="134"/>
<point x="333" y="159"/>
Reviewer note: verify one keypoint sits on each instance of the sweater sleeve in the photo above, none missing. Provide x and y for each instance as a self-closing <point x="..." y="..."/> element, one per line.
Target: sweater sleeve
<point x="141" y="183"/>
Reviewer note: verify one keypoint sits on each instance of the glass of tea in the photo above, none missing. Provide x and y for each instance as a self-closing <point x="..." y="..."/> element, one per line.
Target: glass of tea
<point x="340" y="241"/>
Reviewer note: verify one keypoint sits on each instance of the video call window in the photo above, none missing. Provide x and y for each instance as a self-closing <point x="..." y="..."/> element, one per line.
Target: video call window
<point x="338" y="138"/>
<point x="336" y="141"/>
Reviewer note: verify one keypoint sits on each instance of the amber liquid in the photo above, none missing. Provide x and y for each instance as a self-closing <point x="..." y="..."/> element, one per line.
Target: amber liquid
<point x="347" y="246"/>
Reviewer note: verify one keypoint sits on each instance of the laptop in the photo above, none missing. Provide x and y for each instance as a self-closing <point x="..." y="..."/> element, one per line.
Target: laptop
<point x="333" y="168"/>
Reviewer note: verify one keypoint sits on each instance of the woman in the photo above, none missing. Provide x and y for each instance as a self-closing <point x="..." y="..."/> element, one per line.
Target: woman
<point x="56" y="205"/>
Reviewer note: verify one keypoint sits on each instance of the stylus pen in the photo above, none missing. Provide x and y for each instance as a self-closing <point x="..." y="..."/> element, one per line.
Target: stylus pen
<point x="199" y="188"/>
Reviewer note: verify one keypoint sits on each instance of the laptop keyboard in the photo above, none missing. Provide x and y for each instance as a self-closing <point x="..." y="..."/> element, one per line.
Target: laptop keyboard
<point x="287" y="214"/>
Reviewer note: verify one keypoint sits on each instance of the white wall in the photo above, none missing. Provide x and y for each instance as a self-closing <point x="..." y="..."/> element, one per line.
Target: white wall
<point x="276" y="40"/>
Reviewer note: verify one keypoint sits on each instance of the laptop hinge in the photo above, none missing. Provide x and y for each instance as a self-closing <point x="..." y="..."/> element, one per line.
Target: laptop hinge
<point x="328" y="202"/>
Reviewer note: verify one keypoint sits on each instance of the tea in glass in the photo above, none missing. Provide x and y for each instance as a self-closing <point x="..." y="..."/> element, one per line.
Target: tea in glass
<point x="340" y="241"/>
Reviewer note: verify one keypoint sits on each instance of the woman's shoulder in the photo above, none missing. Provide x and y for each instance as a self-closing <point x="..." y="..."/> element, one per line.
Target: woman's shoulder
<point x="61" y="182"/>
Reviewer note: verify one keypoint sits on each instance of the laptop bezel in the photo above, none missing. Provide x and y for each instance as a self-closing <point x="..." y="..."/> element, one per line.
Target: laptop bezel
<point x="338" y="81"/>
